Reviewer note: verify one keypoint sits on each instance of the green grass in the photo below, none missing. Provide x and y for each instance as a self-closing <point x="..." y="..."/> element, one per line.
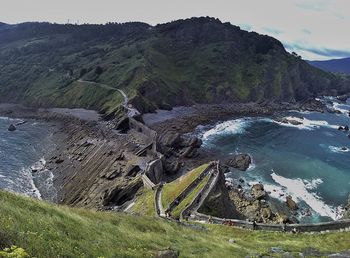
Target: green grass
<point x="46" y="230"/>
<point x="173" y="189"/>
<point x="145" y="203"/>
<point x="185" y="202"/>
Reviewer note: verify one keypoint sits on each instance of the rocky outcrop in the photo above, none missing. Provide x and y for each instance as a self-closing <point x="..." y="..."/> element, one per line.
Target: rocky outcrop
<point x="177" y="147"/>
<point x="12" y="128"/>
<point x="258" y="192"/>
<point x="291" y="203"/>
<point x="218" y="202"/>
<point x="285" y="120"/>
<point x="155" y="171"/>
<point x="95" y="167"/>
<point x="343" y="98"/>
<point x="346" y="214"/>
<point x="239" y="161"/>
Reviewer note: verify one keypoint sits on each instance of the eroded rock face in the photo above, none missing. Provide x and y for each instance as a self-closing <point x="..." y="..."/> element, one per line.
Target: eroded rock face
<point x="346" y="214"/>
<point x="291" y="203"/>
<point x="218" y="202"/>
<point x="240" y="161"/>
<point x="258" y="192"/>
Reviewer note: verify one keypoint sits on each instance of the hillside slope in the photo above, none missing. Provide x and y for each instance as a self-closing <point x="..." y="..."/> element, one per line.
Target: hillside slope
<point x="334" y="65"/>
<point x="46" y="230"/>
<point x="198" y="60"/>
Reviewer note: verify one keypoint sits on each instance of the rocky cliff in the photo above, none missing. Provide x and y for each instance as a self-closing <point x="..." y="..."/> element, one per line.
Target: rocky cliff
<point x="218" y="202"/>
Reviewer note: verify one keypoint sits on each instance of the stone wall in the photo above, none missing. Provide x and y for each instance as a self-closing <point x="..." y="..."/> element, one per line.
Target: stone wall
<point x="316" y="227"/>
<point x="142" y="128"/>
<point x="189" y="188"/>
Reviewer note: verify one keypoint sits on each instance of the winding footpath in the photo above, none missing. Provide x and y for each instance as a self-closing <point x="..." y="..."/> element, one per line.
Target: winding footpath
<point x="131" y="111"/>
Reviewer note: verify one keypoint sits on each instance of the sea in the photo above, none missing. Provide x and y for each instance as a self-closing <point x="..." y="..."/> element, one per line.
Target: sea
<point x="309" y="161"/>
<point x="22" y="158"/>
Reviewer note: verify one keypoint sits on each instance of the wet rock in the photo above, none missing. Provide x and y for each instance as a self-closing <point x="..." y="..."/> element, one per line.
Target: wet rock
<point x="291" y="203"/>
<point x="333" y="111"/>
<point x="168" y="253"/>
<point x="343" y="97"/>
<point x="258" y="191"/>
<point x="12" y="128"/>
<point x="240" y="161"/>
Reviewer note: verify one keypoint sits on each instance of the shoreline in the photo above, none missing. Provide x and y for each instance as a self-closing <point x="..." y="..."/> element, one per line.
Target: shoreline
<point x="73" y="134"/>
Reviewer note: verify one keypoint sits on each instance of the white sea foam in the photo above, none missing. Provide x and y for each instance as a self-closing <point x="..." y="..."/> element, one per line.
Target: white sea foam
<point x="40" y="165"/>
<point x="338" y="149"/>
<point x="343" y="109"/>
<point x="236" y="126"/>
<point x="299" y="190"/>
<point x="306" y="124"/>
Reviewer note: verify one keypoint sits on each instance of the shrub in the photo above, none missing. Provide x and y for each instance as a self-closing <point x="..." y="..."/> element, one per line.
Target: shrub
<point x="14" y="252"/>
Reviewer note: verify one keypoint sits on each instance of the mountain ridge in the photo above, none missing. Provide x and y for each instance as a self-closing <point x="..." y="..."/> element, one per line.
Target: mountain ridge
<point x="341" y="65"/>
<point x="196" y="60"/>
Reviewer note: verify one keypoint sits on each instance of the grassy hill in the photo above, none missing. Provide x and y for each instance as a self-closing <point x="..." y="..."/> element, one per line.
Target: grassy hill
<point x="198" y="60"/>
<point x="46" y="230"/>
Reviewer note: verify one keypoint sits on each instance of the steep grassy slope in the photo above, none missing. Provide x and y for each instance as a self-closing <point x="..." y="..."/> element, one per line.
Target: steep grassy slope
<point x="198" y="60"/>
<point x="46" y="230"/>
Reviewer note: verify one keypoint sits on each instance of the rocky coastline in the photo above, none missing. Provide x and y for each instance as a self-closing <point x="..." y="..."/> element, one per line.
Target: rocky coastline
<point x="96" y="166"/>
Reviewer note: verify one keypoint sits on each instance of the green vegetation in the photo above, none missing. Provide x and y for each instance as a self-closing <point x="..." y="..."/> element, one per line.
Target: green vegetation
<point x="185" y="202"/>
<point x="145" y="202"/>
<point x="45" y="230"/>
<point x="172" y="190"/>
<point x="198" y="60"/>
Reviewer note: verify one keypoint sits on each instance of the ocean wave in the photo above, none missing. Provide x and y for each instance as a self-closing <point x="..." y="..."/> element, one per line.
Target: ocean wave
<point x="338" y="149"/>
<point x="299" y="190"/>
<point x="236" y="126"/>
<point x="341" y="107"/>
<point x="305" y="124"/>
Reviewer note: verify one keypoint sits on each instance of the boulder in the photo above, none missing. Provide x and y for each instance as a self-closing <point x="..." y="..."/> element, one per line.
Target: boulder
<point x="190" y="142"/>
<point x="170" y="139"/>
<point x="12" y="128"/>
<point x="168" y="253"/>
<point x="346" y="128"/>
<point x="240" y="161"/>
<point x="171" y="167"/>
<point x="291" y="203"/>
<point x="189" y="152"/>
<point x="258" y="191"/>
<point x="343" y="97"/>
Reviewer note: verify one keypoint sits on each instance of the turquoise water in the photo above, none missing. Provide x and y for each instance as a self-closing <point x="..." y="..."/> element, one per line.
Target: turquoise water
<point x="306" y="161"/>
<point x="19" y="151"/>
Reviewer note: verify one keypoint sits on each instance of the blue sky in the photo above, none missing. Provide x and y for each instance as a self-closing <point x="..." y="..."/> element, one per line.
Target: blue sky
<point x="315" y="29"/>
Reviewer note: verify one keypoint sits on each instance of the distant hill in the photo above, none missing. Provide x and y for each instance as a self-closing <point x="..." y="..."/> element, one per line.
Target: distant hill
<point x="334" y="65"/>
<point x="197" y="60"/>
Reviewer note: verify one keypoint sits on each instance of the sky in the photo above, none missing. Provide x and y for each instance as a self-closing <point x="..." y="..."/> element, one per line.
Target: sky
<point x="314" y="29"/>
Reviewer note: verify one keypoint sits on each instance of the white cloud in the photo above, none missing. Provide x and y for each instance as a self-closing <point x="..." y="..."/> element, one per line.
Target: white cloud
<point x="307" y="24"/>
